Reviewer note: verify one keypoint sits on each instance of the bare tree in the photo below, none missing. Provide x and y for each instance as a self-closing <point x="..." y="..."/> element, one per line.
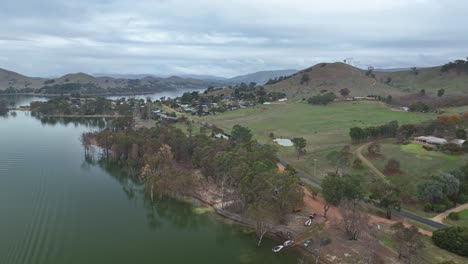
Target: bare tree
<point x="355" y="218"/>
<point x="264" y="216"/>
<point x="409" y="242"/>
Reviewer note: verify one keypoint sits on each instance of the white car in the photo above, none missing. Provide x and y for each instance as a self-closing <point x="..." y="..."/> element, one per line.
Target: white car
<point x="308" y="222"/>
<point x="307" y="242"/>
<point x="277" y="248"/>
<point x="287" y="243"/>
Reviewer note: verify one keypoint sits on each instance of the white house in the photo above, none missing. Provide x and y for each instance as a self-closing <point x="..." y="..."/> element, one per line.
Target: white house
<point x="435" y="141"/>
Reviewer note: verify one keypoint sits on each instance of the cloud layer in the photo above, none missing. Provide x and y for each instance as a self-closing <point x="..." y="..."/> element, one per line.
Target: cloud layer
<point x="226" y="38"/>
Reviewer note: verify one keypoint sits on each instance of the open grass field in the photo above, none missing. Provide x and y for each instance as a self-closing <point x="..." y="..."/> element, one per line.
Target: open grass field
<point x="462" y="222"/>
<point x="321" y="126"/>
<point x="325" y="128"/>
<point x="416" y="164"/>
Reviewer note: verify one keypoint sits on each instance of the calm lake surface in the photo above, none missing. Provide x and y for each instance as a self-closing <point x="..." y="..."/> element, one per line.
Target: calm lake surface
<point x="56" y="208"/>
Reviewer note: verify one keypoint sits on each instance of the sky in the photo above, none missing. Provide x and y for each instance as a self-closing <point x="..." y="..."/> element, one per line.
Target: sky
<point x="226" y="37"/>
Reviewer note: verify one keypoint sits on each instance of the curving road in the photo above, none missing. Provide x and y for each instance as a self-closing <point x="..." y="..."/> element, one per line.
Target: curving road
<point x="400" y="213"/>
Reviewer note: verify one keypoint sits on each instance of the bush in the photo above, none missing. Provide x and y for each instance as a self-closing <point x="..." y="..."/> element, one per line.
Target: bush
<point x="453" y="239"/>
<point x="462" y="198"/>
<point x="454" y="216"/>
<point x="439" y="208"/>
<point x="427" y="207"/>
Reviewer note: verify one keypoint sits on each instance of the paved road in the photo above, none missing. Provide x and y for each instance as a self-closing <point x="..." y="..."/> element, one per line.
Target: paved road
<point x="401" y="214"/>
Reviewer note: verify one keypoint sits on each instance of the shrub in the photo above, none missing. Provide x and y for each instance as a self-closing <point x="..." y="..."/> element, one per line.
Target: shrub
<point x="439" y="208"/>
<point x="462" y="198"/>
<point x="453" y="239"/>
<point x="454" y="216"/>
<point x="427" y="207"/>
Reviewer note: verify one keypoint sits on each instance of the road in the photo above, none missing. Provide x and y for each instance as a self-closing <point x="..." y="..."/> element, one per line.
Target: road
<point x="440" y="217"/>
<point x="400" y="213"/>
<point x="371" y="166"/>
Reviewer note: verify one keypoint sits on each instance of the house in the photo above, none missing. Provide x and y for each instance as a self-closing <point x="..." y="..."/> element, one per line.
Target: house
<point x="221" y="136"/>
<point x="434" y="141"/>
<point x="404" y="108"/>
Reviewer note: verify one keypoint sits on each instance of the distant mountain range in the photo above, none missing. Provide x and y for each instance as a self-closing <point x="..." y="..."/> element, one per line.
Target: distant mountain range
<point x="260" y="77"/>
<point x="87" y="84"/>
<point x="103" y="83"/>
<point x="320" y="78"/>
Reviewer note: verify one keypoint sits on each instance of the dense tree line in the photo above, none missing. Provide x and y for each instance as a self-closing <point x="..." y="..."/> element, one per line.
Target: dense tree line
<point x="91" y="106"/>
<point x="245" y="173"/>
<point x="358" y="134"/>
<point x="459" y="66"/>
<point x="322" y="99"/>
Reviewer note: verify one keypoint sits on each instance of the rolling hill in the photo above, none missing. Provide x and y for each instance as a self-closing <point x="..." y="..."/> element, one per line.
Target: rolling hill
<point x="88" y="84"/>
<point x="332" y="77"/>
<point x="260" y="77"/>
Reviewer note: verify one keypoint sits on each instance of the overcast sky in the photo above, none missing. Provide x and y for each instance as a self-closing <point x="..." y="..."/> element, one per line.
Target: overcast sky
<point x="226" y="37"/>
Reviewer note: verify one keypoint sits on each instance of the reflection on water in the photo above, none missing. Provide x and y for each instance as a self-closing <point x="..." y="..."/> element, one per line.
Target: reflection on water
<point x="58" y="207"/>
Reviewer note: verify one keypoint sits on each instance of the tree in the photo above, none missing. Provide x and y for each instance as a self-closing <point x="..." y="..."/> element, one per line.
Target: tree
<point x="340" y="159"/>
<point x="355" y="219"/>
<point x="345" y="92"/>
<point x="336" y="188"/>
<point x="299" y="144"/>
<point x="422" y="92"/>
<point x="392" y="167"/>
<point x="322" y="99"/>
<point x="439" y="187"/>
<point x="373" y="150"/>
<point x="305" y="79"/>
<point x="241" y="134"/>
<point x="440" y="92"/>
<point x="332" y="191"/>
<point x="357" y="164"/>
<point x="409" y="242"/>
<point x="460" y="133"/>
<point x="265" y="217"/>
<point x="386" y="196"/>
<point x="357" y="134"/>
<point x="453" y="239"/>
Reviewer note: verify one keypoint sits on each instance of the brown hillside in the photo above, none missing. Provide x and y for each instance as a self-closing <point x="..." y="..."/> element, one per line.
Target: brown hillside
<point x="333" y="77"/>
<point x="429" y="79"/>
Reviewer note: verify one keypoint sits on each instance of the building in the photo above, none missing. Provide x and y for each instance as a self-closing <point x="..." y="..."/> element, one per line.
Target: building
<point x="434" y="141"/>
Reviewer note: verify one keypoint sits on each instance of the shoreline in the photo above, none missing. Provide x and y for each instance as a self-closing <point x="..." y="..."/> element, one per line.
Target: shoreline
<point x="239" y="220"/>
<point x="90" y="95"/>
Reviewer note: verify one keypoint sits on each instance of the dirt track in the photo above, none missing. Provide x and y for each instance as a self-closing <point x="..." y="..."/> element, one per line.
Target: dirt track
<point x="368" y="163"/>
<point x="440" y="217"/>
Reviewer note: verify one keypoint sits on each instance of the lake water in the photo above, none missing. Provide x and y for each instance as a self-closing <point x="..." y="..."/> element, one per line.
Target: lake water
<point x="25" y="100"/>
<point x="56" y="208"/>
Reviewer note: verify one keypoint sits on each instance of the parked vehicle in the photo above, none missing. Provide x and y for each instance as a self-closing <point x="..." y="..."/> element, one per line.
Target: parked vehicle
<point x="308" y="222"/>
<point x="288" y="243"/>
<point x="307" y="242"/>
<point x="277" y="248"/>
<point x="312" y="215"/>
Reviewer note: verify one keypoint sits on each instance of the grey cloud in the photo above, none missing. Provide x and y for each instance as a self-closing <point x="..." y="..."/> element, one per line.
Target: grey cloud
<point x="51" y="37"/>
